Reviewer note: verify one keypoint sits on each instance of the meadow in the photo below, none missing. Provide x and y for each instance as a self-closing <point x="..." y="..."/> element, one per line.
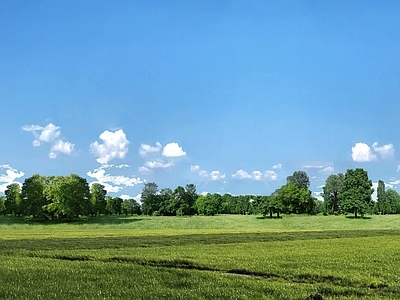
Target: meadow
<point x="219" y="257"/>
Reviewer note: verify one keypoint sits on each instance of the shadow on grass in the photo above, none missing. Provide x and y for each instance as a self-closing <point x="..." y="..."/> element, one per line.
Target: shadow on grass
<point x="268" y="217"/>
<point x="358" y="217"/>
<point x="99" y="220"/>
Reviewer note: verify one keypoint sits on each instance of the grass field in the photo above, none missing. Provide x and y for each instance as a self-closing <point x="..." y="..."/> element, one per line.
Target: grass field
<point x="220" y="257"/>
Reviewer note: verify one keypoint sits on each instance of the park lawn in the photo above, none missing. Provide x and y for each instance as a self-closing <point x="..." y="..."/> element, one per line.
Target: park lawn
<point x="270" y="261"/>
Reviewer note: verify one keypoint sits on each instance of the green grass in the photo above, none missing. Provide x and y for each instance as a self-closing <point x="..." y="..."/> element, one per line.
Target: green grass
<point x="231" y="257"/>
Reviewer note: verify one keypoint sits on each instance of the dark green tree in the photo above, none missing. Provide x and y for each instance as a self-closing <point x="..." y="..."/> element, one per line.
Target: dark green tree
<point x="33" y="198"/>
<point x="331" y="192"/>
<point x="384" y="206"/>
<point x="300" y="179"/>
<point x="2" y="205"/>
<point x="13" y="199"/>
<point x="150" y="200"/>
<point x="98" y="198"/>
<point x="355" y="196"/>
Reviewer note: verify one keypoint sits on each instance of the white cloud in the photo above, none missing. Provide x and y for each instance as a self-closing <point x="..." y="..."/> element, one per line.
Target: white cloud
<point x="123" y="166"/>
<point x="321" y="167"/>
<point x="394" y="182"/>
<point x="43" y="134"/>
<point x="212" y="176"/>
<point x="145" y="149"/>
<point x="327" y="170"/>
<point x="173" y="150"/>
<point x="277" y="167"/>
<point x="49" y="134"/>
<point x="144" y="170"/>
<point x="9" y="177"/>
<point x="61" y="147"/>
<point x="115" y="145"/>
<point x="385" y="151"/>
<point x="361" y="152"/>
<point x="268" y="175"/>
<point x="113" y="183"/>
<point x="157" y="165"/>
<point x="241" y="174"/>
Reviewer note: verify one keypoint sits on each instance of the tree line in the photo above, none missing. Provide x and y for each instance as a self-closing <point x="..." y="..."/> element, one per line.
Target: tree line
<point x="70" y="197"/>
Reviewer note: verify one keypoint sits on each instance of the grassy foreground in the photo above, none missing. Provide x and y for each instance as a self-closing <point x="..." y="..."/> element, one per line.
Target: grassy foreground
<point x="221" y="257"/>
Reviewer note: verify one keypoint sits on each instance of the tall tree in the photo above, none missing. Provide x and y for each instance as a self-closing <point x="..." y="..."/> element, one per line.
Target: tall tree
<point x="98" y="198"/>
<point x="34" y="202"/>
<point x="331" y="192"/>
<point x="300" y="179"/>
<point x="393" y="201"/>
<point x="355" y="196"/>
<point x="383" y="205"/>
<point x="149" y="198"/>
<point x="2" y="205"/>
<point x="13" y="199"/>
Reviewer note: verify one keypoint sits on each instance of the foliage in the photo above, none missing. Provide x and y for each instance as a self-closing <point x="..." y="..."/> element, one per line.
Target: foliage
<point x="13" y="199"/>
<point x="33" y="196"/>
<point x="295" y="199"/>
<point x="130" y="207"/>
<point x="2" y="205"/>
<point x="149" y="199"/>
<point x="356" y="192"/>
<point x="300" y="179"/>
<point x="98" y="199"/>
<point x="331" y="192"/>
<point x="114" y="205"/>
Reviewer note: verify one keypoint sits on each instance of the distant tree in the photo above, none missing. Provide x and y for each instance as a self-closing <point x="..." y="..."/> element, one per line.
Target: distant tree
<point x="208" y="205"/>
<point x="300" y="179"/>
<point x="2" y="205"/>
<point x="228" y="203"/>
<point x="149" y="199"/>
<point x="384" y="206"/>
<point x="13" y="199"/>
<point x="69" y="197"/>
<point x="126" y="207"/>
<point x="114" y="205"/>
<point x="295" y="199"/>
<point x="355" y="196"/>
<point x="98" y="198"/>
<point x="164" y="198"/>
<point x="393" y="201"/>
<point x="191" y="197"/>
<point x="33" y="198"/>
<point x="331" y="192"/>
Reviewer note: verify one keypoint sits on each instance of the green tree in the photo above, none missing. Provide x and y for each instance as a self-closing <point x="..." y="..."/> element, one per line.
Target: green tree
<point x="13" y="199"/>
<point x="300" y="179"/>
<point x="355" y="196"/>
<point x="295" y="199"/>
<point x="208" y="205"/>
<point x="34" y="202"/>
<point x="149" y="199"/>
<point x="331" y="192"/>
<point x="126" y="207"/>
<point x="2" y="205"/>
<point x="69" y="197"/>
<point x="98" y="198"/>
<point x="271" y="205"/>
<point x="393" y="201"/>
<point x="191" y="197"/>
<point x="384" y="206"/>
<point x="114" y="205"/>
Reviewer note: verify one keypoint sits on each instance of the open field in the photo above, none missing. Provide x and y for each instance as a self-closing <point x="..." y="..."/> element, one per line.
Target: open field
<point x="224" y="257"/>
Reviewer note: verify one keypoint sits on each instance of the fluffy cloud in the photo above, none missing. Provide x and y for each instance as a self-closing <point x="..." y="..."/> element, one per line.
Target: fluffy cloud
<point x="385" y="151"/>
<point x="49" y="134"/>
<point x="173" y="150"/>
<point x="145" y="149"/>
<point x="211" y="176"/>
<point x="113" y="183"/>
<point x="115" y="145"/>
<point x="268" y="175"/>
<point x="61" y="147"/>
<point x="9" y="177"/>
<point x="361" y="152"/>
<point x="43" y="134"/>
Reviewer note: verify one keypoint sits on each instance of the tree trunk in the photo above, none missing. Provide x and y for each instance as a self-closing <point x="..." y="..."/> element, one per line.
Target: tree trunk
<point x="270" y="213"/>
<point x="355" y="213"/>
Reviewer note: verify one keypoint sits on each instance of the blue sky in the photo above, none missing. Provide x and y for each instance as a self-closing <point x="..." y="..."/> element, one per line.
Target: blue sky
<point x="232" y="96"/>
